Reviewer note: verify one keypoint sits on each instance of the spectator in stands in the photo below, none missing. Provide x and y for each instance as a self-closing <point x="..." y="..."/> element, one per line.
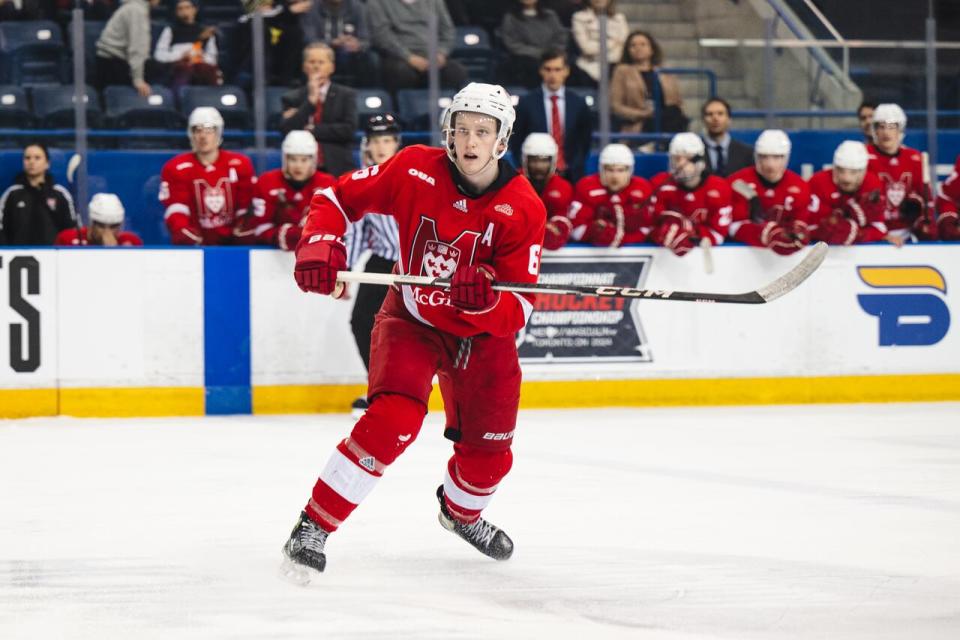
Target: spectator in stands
<point x="186" y="52"/>
<point x="527" y="31"/>
<point x="948" y="204"/>
<point x="632" y="98"/>
<point x="34" y="209"/>
<point x="106" y="226"/>
<point x="724" y="154"/>
<point x="123" y="49"/>
<point x="849" y="199"/>
<point x="564" y="9"/>
<point x="342" y="24"/>
<point x="325" y="109"/>
<point x="586" y="33"/>
<point x="206" y="191"/>
<point x="27" y="10"/>
<point x="865" y="117"/>
<point x="556" y="110"/>
<point x="399" y="33"/>
<point x="283" y="38"/>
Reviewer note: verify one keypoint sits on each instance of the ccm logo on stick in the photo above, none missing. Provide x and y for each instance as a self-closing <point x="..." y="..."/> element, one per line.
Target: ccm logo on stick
<point x="910" y="318"/>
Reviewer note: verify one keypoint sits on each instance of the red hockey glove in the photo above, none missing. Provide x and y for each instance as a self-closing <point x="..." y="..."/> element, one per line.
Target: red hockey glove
<point x="674" y="235"/>
<point x="838" y="231"/>
<point x="556" y="232"/>
<point x="288" y="236"/>
<point x="182" y="232"/>
<point x="471" y="288"/>
<point x="780" y="240"/>
<point x="319" y="258"/>
<point x="912" y="208"/>
<point x="601" y="233"/>
<point x="948" y="227"/>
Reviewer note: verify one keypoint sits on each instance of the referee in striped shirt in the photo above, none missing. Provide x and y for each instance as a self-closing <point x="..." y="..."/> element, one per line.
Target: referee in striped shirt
<point x="376" y="233"/>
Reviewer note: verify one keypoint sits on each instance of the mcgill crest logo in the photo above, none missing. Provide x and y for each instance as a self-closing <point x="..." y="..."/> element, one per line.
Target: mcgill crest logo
<point x="438" y="258"/>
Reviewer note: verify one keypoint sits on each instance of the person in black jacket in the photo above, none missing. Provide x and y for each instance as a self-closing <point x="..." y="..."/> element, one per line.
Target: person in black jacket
<point x="35" y="209"/>
<point x="725" y="155"/>
<point x="325" y="109"/>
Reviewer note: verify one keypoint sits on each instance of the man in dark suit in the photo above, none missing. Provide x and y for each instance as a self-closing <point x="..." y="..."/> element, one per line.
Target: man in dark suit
<point x="325" y="109"/>
<point x="724" y="154"/>
<point x="541" y="110"/>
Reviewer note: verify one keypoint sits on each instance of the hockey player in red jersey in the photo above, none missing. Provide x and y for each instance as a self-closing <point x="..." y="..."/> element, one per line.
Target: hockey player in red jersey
<point x="609" y="208"/>
<point x="106" y="226"/>
<point x="909" y="209"/>
<point x="463" y="214"/>
<point x="539" y="164"/>
<point x="771" y="204"/>
<point x="206" y="190"/>
<point x="691" y="206"/>
<point x="281" y="197"/>
<point x="847" y="199"/>
<point x="948" y="204"/>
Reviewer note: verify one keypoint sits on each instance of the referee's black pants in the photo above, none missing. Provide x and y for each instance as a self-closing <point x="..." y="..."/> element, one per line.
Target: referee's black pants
<point x="369" y="300"/>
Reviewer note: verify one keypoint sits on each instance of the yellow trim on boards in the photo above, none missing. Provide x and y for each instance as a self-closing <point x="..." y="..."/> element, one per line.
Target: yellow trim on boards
<point x="26" y="403"/>
<point x="652" y="393"/>
<point x="132" y="402"/>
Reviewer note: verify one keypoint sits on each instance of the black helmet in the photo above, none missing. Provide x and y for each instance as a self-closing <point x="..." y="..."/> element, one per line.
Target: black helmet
<point x="381" y="124"/>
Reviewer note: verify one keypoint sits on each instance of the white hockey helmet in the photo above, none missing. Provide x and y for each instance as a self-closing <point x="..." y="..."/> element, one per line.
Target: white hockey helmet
<point x="489" y="99"/>
<point x="890" y="113"/>
<point x="540" y="145"/>
<point x="106" y="208"/>
<point x="772" y="142"/>
<point x="205" y="117"/>
<point x="851" y="154"/>
<point x="299" y="143"/>
<point x="687" y="144"/>
<point x="616" y="154"/>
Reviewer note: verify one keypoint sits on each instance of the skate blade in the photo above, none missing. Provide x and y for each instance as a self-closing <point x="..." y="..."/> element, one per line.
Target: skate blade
<point x="297" y="574"/>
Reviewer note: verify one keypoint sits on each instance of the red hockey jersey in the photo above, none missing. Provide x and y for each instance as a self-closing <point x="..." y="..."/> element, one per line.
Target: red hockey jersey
<point x="441" y="227"/>
<point x="786" y="203"/>
<point x="706" y="210"/>
<point x="277" y="207"/>
<point x="847" y="218"/>
<point x="902" y="178"/>
<point x="557" y="196"/>
<point x="948" y="203"/>
<point x="203" y="202"/>
<point x="603" y="218"/>
<point x="70" y="238"/>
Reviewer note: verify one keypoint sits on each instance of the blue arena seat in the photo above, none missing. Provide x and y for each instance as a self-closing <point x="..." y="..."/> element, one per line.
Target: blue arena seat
<point x="125" y="108"/>
<point x="14" y="108"/>
<point x="32" y="53"/>
<point x="53" y="107"/>
<point x="414" y="107"/>
<point x="370" y="102"/>
<point x="229" y="100"/>
<point x="516" y="93"/>
<point x="472" y="49"/>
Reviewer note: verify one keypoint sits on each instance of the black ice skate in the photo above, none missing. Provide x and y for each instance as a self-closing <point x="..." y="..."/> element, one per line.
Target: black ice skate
<point x="303" y="553"/>
<point x="488" y="539"/>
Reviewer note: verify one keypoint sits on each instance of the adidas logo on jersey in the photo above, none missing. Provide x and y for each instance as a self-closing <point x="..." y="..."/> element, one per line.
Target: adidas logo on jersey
<point x="461" y="205"/>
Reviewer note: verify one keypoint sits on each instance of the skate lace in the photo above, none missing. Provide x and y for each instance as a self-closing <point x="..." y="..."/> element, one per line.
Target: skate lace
<point x="313" y="537"/>
<point x="481" y="531"/>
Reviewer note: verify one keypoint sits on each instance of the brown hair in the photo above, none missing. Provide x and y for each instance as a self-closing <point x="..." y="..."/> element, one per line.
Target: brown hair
<point x="656" y="59"/>
<point x="611" y="9"/>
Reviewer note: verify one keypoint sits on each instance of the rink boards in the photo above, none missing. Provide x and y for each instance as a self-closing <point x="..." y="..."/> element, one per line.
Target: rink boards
<point x="219" y="331"/>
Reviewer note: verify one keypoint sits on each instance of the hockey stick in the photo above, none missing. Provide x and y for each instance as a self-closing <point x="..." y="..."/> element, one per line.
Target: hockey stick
<point x="767" y="293"/>
<point x="72" y="165"/>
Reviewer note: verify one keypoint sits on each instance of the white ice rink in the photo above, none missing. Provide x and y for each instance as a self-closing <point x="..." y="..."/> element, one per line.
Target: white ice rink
<point x="827" y="522"/>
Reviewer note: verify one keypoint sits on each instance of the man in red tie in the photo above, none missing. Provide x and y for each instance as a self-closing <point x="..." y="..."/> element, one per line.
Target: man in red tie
<point x="325" y="109"/>
<point x="556" y="110"/>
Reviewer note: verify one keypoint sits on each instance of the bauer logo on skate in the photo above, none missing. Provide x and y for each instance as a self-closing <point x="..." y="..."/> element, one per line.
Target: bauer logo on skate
<point x="906" y="318"/>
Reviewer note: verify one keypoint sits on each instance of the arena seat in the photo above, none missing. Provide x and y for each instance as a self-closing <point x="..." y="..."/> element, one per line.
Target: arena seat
<point x="53" y="107"/>
<point x="370" y="102"/>
<point x="126" y="108"/>
<point x="32" y="53"/>
<point x="414" y="107"/>
<point x="229" y="100"/>
<point x="14" y="108"/>
<point x="472" y="49"/>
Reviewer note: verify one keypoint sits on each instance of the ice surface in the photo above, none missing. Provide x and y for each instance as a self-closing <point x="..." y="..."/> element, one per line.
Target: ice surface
<point x="835" y="522"/>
